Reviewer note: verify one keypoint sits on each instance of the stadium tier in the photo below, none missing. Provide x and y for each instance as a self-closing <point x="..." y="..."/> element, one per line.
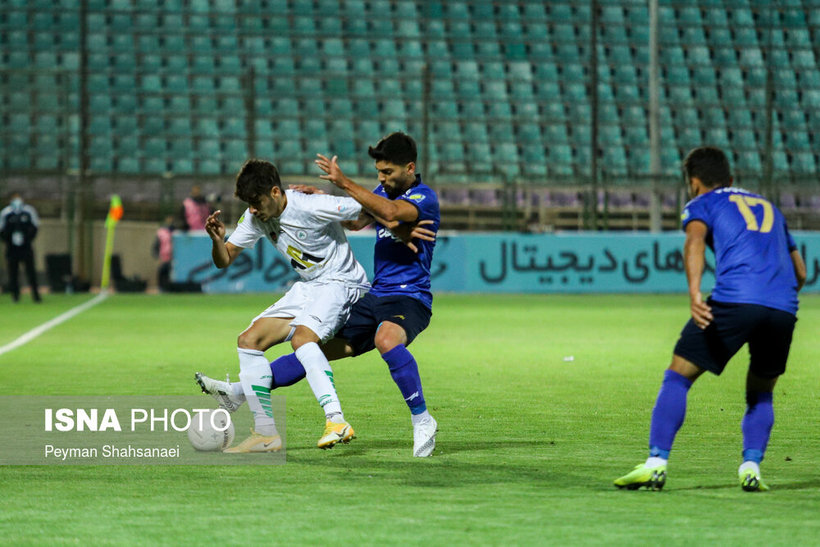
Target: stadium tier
<point x="193" y="87"/>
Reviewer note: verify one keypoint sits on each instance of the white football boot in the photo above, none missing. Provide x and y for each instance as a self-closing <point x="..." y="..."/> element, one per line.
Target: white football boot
<point x="221" y="391"/>
<point x="424" y="438"/>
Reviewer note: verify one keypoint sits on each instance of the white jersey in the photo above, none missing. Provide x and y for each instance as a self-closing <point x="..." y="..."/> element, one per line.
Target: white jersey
<point x="309" y="235"/>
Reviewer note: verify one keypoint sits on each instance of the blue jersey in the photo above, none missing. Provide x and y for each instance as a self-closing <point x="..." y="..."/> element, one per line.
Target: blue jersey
<point x="397" y="270"/>
<point x="751" y="243"/>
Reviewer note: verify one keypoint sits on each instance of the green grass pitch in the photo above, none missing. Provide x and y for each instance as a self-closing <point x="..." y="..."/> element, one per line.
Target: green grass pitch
<point x="528" y="446"/>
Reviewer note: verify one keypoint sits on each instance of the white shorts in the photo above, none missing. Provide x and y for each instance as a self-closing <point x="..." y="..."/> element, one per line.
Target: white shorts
<point x="321" y="307"/>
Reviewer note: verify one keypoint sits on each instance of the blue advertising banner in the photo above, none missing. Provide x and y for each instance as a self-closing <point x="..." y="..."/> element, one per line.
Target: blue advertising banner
<point x="514" y="263"/>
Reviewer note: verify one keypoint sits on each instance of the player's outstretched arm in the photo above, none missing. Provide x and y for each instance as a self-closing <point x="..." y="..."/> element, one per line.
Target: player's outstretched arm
<point x="799" y="268"/>
<point x="694" y="259"/>
<point x="407" y="232"/>
<point x="223" y="254"/>
<point x="306" y="189"/>
<point x="364" y="220"/>
<point x="381" y="208"/>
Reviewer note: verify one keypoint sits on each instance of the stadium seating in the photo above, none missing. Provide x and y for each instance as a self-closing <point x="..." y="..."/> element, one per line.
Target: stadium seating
<point x="175" y="86"/>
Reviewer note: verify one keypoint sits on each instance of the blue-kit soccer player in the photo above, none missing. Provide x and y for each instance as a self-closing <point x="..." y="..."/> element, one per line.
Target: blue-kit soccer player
<point x="758" y="273"/>
<point x="399" y="305"/>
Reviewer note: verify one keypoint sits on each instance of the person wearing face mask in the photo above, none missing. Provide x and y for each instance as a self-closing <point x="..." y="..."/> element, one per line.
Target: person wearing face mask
<point x="18" y="228"/>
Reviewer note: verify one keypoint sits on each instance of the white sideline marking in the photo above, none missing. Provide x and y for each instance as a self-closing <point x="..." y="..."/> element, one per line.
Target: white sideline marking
<point x="48" y="325"/>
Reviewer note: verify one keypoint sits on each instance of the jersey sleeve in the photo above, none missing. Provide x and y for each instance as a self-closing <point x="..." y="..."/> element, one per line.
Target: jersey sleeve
<point x="694" y="210"/>
<point x="334" y="208"/>
<point x="247" y="232"/>
<point x="35" y="218"/>
<point x="789" y="239"/>
<point x="424" y="199"/>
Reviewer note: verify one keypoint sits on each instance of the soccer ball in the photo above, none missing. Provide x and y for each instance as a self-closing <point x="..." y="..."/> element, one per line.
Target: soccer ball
<point x="207" y="438"/>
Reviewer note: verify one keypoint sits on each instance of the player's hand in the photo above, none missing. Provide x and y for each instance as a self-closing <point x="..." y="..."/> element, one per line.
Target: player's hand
<point x="214" y="226"/>
<point x="701" y="312"/>
<point x="409" y="231"/>
<point x="417" y="232"/>
<point x="306" y="189"/>
<point x="331" y="167"/>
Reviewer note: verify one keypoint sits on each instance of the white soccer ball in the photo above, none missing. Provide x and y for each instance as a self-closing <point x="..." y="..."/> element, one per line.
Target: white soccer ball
<point x="211" y="431"/>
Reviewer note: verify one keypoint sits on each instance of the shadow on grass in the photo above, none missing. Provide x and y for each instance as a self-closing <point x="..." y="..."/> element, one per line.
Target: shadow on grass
<point x="801" y="485"/>
<point x="368" y="460"/>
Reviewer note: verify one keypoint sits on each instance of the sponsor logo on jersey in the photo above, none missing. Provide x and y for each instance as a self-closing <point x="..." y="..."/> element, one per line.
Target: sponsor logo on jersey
<point x="241" y="219"/>
<point x="685" y="214"/>
<point x="301" y="260"/>
<point x="385" y="233"/>
<point x="416" y="197"/>
<point x="301" y="234"/>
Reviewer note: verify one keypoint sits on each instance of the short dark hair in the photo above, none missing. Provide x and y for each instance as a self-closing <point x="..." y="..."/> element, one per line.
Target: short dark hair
<point x="255" y="179"/>
<point x="398" y="148"/>
<point x="710" y="165"/>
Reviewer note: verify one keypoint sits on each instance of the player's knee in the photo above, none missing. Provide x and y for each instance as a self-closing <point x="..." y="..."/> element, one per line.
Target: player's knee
<point x="248" y="340"/>
<point x="385" y="341"/>
<point x="301" y="336"/>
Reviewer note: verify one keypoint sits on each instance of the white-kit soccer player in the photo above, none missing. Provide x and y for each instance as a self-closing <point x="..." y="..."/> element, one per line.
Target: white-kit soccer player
<point x="306" y="229"/>
<point x="399" y="305"/>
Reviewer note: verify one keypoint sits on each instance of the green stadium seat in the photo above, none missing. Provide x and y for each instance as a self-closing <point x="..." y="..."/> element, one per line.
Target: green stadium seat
<point x="340" y="107"/>
<point x="804" y="59"/>
<point x="234" y="151"/>
<point x="521" y="90"/>
<point x="548" y="90"/>
<point x="797" y="140"/>
<point x="462" y="50"/>
<point x="363" y="88"/>
<point x="410" y="49"/>
<point x="436" y="49"/>
<point x="560" y="158"/>
<point x="672" y="56"/>
<point x="717" y="136"/>
<point x="750" y="58"/>
<point x="179" y="127"/>
<point x="706" y="94"/>
<point x="126" y="126"/>
<point x="100" y="125"/>
<point x="494" y="89"/>
<point x="743" y="139"/>
<point x="442" y="89"/>
<point x="749" y="160"/>
<point x="614" y="160"/>
<point x="670" y="160"/>
<point x="638" y="159"/>
<point x="689" y="15"/>
<point x="154" y="147"/>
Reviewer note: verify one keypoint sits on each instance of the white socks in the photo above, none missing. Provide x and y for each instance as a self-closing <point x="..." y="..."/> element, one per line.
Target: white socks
<point x="749" y="465"/>
<point x="419" y="418"/>
<point x="654" y="461"/>
<point x="320" y="377"/>
<point x="255" y="377"/>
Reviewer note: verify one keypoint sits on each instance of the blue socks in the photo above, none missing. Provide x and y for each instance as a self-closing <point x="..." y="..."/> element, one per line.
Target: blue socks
<point x="405" y="373"/>
<point x="668" y="414"/>
<point x="286" y="371"/>
<point x="756" y="425"/>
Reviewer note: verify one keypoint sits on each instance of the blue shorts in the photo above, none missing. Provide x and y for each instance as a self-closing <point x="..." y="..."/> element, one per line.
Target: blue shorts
<point x="369" y="312"/>
<point x="768" y="332"/>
